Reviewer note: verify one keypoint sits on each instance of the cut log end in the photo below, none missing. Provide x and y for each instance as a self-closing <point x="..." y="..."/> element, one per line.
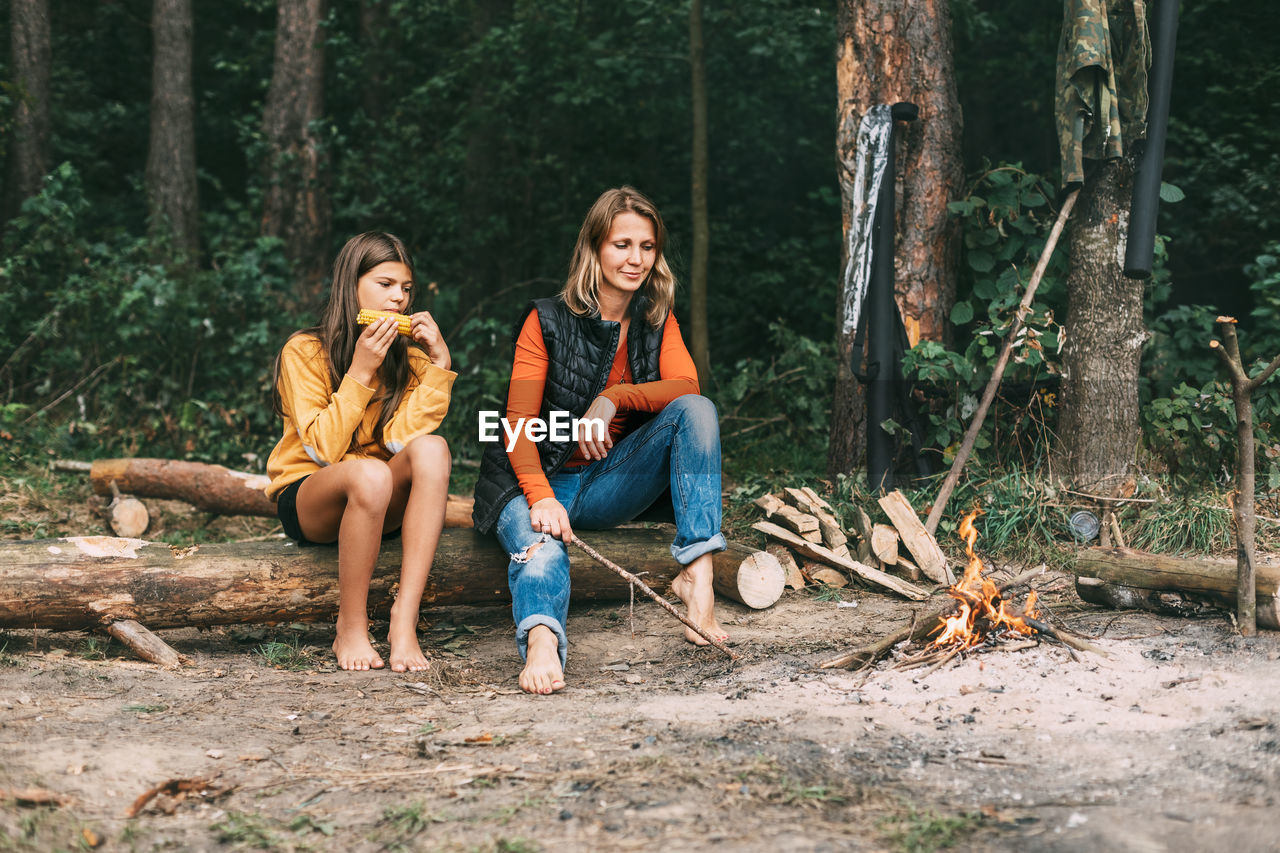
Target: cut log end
<point x="757" y="582"/>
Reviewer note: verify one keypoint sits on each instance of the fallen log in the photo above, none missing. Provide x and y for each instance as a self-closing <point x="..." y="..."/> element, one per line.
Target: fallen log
<point x="1125" y="577"/>
<point x="212" y="488"/>
<point x="84" y="582"/>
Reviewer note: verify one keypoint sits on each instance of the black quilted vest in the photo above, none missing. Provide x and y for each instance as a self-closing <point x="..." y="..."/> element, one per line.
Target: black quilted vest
<point x="579" y="352"/>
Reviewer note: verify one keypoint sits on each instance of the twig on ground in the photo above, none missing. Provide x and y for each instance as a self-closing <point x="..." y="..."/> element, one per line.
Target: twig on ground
<point x="644" y="587"/>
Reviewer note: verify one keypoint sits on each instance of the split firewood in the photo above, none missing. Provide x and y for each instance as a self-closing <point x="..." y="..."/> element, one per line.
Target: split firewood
<point x="863" y="554"/>
<point x="884" y="544"/>
<point x="807" y="501"/>
<point x="126" y="514"/>
<point x="909" y="569"/>
<point x="1207" y="579"/>
<point x="817" y="552"/>
<point x="919" y="542"/>
<point x="817" y="499"/>
<point x="82" y="582"/>
<point x="791" y="571"/>
<point x="828" y="576"/>
<point x="769" y="503"/>
<point x="841" y="550"/>
<point x="798" y="522"/>
<point x="861" y="523"/>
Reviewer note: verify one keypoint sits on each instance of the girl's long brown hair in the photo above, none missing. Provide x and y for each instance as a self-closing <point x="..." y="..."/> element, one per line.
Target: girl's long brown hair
<point x="337" y="330"/>
<point x="581" y="290"/>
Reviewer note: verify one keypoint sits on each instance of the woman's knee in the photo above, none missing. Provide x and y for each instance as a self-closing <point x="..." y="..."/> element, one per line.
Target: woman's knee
<point x="429" y="454"/>
<point x="542" y="559"/>
<point x="698" y="415"/>
<point x="370" y="484"/>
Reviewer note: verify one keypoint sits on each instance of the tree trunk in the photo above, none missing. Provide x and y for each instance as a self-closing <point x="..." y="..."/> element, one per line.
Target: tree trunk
<point x="699" y="340"/>
<point x="1098" y="424"/>
<point x="171" y="155"/>
<point x="30" y="57"/>
<point x="890" y="51"/>
<point x="69" y="584"/>
<point x="485" y="204"/>
<point x="213" y="488"/>
<point x="1120" y="576"/>
<point x="296" y="204"/>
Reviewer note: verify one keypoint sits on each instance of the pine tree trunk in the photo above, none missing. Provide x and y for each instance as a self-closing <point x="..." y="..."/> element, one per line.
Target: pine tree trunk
<point x="30" y="57"/>
<point x="296" y="204"/>
<point x="699" y="337"/>
<point x="890" y="51"/>
<point x="171" y="155"/>
<point x="1098" y="424"/>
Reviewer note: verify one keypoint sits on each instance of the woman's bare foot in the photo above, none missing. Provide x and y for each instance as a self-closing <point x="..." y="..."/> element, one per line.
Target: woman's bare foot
<point x="352" y="646"/>
<point x="693" y="586"/>
<point x="542" y="672"/>
<point x="406" y="653"/>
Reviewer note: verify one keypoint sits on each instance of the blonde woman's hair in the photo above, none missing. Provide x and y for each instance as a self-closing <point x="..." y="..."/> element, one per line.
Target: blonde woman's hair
<point x="581" y="290"/>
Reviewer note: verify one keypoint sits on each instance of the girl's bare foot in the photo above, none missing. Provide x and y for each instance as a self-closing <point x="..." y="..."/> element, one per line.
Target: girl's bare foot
<point x="542" y="672"/>
<point x="352" y="646"/>
<point x="693" y="586"/>
<point x="406" y="653"/>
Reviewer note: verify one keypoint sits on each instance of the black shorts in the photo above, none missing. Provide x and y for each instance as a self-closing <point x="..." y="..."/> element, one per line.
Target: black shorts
<point x="287" y="512"/>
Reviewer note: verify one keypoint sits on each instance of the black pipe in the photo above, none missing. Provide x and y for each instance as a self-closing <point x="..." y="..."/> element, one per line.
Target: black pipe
<point x="883" y="362"/>
<point x="1145" y="205"/>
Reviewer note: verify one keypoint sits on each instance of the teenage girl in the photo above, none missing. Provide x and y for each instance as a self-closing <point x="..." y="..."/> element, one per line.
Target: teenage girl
<point x="357" y="459"/>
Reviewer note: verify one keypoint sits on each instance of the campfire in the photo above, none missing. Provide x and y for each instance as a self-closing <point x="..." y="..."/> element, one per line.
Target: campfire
<point x="982" y="614"/>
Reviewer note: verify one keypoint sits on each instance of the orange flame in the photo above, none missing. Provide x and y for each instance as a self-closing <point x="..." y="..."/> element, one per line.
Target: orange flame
<point x="982" y="611"/>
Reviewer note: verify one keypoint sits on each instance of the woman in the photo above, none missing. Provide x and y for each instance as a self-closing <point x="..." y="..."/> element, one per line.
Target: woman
<point x="357" y="460"/>
<point x="606" y="349"/>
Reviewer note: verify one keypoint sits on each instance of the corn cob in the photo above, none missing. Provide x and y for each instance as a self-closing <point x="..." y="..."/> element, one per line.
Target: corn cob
<point x="367" y="316"/>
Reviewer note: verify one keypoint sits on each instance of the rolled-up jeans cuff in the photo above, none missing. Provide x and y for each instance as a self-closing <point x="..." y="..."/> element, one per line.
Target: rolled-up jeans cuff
<point x="531" y="622"/>
<point x="686" y="554"/>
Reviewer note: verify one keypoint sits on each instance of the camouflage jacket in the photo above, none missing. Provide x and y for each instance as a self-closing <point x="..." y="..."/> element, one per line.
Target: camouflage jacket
<point x="1103" y="58"/>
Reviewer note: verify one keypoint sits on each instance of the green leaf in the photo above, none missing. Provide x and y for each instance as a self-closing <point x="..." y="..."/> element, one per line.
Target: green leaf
<point x="961" y="313"/>
<point x="981" y="261"/>
<point x="1170" y="194"/>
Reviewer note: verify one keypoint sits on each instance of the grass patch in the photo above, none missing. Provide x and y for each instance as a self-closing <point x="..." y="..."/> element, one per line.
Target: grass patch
<point x="926" y="831"/>
<point x="827" y="593"/>
<point x="248" y="830"/>
<point x="516" y="845"/>
<point x="287" y="654"/>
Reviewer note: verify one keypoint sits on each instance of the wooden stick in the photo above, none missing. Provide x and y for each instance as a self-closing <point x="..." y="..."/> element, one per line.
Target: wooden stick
<point x="1064" y="637"/>
<point x="989" y="393"/>
<point x="614" y="567"/>
<point x="144" y="643"/>
<point x="917" y="629"/>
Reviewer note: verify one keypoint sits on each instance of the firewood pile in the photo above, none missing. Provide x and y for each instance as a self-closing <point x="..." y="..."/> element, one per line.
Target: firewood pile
<point x="807" y="537"/>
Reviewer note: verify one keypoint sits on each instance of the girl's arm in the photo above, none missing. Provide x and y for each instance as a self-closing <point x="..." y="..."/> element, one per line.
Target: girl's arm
<point x="675" y="366"/>
<point x="423" y="405"/>
<point x="325" y="420"/>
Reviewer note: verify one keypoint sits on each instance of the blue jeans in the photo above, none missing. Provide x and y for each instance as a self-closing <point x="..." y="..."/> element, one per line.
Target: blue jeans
<point x="679" y="448"/>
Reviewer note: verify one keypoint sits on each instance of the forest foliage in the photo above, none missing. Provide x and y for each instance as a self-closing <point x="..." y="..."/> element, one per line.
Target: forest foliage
<point x="483" y="147"/>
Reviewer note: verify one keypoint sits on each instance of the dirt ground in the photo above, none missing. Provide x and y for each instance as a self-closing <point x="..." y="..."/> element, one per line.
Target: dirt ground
<point x="1169" y="742"/>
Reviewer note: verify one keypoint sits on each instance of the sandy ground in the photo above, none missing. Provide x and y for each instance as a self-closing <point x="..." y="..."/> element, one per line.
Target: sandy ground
<point x="1169" y="742"/>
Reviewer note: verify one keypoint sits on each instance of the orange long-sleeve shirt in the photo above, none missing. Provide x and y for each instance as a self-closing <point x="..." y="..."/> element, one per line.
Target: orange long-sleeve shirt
<point x="529" y="377"/>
